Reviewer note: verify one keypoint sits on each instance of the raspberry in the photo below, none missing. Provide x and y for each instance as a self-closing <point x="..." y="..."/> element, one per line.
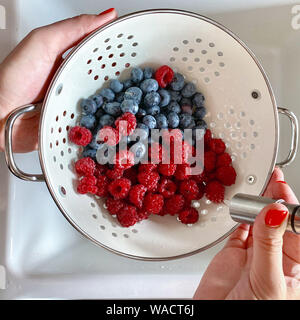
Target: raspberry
<point x="128" y="124"/>
<point x="100" y="170"/>
<point x="156" y="152"/>
<point x="217" y="146"/>
<point x="143" y="214"/>
<point x="149" y="180"/>
<point x="85" y="166"/>
<point x="131" y="174"/>
<point x="223" y="160"/>
<point x="209" y="161"/>
<point x="89" y="180"/>
<point x="119" y="188"/>
<point x="201" y="178"/>
<point x="183" y="171"/>
<point x="174" y="204"/>
<point x="189" y="189"/>
<point x="124" y="159"/>
<point x="136" y="195"/>
<point x="226" y="175"/>
<point x="102" y="184"/>
<point x="215" y="191"/>
<point x="167" y="188"/>
<point x="114" y="206"/>
<point x="109" y="135"/>
<point x="207" y="138"/>
<point x="80" y="136"/>
<point x="171" y="135"/>
<point x="167" y="169"/>
<point x="114" y="173"/>
<point x="87" y="185"/>
<point x="127" y="216"/>
<point x="164" y="75"/>
<point x="147" y="167"/>
<point x="188" y="216"/>
<point x="153" y="203"/>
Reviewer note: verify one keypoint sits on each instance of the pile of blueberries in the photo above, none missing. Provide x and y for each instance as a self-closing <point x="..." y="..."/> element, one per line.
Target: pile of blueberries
<point x="178" y="105"/>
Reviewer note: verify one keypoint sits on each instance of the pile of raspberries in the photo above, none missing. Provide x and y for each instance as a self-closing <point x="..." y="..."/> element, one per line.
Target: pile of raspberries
<point x="133" y="192"/>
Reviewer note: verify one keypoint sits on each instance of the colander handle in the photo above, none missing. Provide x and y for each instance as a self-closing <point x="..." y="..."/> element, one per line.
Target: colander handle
<point x="295" y="137"/>
<point x="10" y="161"/>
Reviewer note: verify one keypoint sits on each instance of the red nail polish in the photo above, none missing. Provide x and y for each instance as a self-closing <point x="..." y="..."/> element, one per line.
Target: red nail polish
<point x="107" y="11"/>
<point x="274" y="218"/>
<point x="281" y="182"/>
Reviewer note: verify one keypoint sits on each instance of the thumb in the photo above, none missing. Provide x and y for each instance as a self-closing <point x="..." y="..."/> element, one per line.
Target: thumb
<point x="266" y="273"/>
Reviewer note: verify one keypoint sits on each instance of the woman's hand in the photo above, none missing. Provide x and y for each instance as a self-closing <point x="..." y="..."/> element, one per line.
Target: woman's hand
<point x="26" y="73"/>
<point x="259" y="262"/>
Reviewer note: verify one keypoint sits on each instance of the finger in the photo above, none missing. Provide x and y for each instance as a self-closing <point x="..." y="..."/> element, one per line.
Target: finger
<point x="268" y="230"/>
<point x="276" y="176"/>
<point x="238" y="239"/>
<point x="281" y="190"/>
<point x="70" y="32"/>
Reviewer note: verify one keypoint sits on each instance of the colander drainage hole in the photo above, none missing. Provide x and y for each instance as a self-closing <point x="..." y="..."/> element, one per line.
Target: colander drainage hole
<point x="94" y="216"/>
<point x="102" y="227"/>
<point x="255" y="94"/>
<point x="59" y="89"/>
<point x="126" y="236"/>
<point x="62" y="191"/>
<point x="134" y="231"/>
<point x="114" y="234"/>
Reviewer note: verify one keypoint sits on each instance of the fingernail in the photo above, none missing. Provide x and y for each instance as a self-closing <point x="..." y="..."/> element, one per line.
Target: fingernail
<point x="281" y="182"/>
<point x="107" y="11"/>
<point x="274" y="218"/>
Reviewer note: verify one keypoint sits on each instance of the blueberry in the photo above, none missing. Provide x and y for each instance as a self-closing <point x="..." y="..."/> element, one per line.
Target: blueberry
<point x="133" y="93"/>
<point x="162" y="122"/>
<point x="199" y="113"/>
<point x="153" y="110"/>
<point x="100" y="112"/>
<point x="129" y="106"/>
<point x="88" y="106"/>
<point x="173" y="120"/>
<point x="177" y="83"/>
<point x="201" y="124"/>
<point x="127" y="84"/>
<point x="186" y="102"/>
<point x="107" y="94"/>
<point x="139" y="150"/>
<point x="192" y="124"/>
<point x="187" y="109"/>
<point x="96" y="129"/>
<point x="198" y="132"/>
<point x="165" y="97"/>
<point x="149" y="85"/>
<point x="88" y="152"/>
<point x="120" y="97"/>
<point x="112" y="108"/>
<point x="95" y="144"/>
<point x="152" y="99"/>
<point x="185" y="120"/>
<point x="148" y="72"/>
<point x="141" y="113"/>
<point x="98" y="99"/>
<point x="107" y="120"/>
<point x="149" y="121"/>
<point x="116" y="86"/>
<point x="142" y="130"/>
<point x="173" y="106"/>
<point x="175" y="95"/>
<point x="137" y="75"/>
<point x="88" y="121"/>
<point x="198" y="100"/>
<point x="189" y="90"/>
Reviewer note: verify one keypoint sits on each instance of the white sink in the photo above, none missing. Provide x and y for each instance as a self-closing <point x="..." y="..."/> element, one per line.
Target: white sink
<point x="41" y="255"/>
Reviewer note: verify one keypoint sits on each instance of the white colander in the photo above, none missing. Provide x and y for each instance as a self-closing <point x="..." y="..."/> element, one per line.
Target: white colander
<point x="241" y="110"/>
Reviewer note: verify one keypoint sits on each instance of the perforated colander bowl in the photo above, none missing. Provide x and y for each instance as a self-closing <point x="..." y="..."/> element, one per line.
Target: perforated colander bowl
<point x="241" y="110"/>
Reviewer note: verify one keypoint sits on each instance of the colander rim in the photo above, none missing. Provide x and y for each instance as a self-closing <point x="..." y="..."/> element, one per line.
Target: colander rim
<point x="60" y="70"/>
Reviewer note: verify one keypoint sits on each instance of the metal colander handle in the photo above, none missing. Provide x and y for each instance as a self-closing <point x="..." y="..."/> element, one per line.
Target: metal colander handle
<point x="294" y="140"/>
<point x="8" y="144"/>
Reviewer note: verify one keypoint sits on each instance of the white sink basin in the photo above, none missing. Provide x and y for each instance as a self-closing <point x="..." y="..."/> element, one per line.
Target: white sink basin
<point x="41" y="255"/>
